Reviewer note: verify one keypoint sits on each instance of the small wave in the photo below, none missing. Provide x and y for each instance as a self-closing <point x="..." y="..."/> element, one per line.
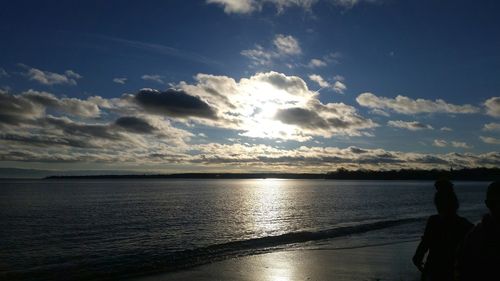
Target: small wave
<point x="194" y="257"/>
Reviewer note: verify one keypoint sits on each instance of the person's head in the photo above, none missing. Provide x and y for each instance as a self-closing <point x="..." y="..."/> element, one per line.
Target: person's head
<point x="446" y="203"/>
<point x="443" y="185"/>
<point x="493" y="199"/>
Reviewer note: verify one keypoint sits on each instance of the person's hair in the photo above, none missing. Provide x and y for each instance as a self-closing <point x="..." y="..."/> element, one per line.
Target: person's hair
<point x="446" y="200"/>
<point x="443" y="185"/>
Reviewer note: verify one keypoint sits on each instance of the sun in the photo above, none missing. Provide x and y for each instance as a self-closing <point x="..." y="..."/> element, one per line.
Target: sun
<point x="261" y="103"/>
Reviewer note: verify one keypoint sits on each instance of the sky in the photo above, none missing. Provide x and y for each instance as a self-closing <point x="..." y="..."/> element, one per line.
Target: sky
<point x="249" y="85"/>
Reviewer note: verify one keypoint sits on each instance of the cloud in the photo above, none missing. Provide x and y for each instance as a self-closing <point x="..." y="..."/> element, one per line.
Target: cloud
<point x="15" y="109"/>
<point x="153" y="77"/>
<point x="3" y="73"/>
<point x="120" y="80"/>
<point x="175" y="103"/>
<point x="493" y="106"/>
<point x="337" y="86"/>
<point x="284" y="46"/>
<point x="446" y="129"/>
<point x="73" y="106"/>
<point x="319" y="121"/>
<point x="251" y="6"/>
<point x="456" y="144"/>
<point x="259" y="56"/>
<point x="406" y="105"/>
<point x="260" y="106"/>
<point x="492" y="127"/>
<point x="319" y="80"/>
<point x="135" y="124"/>
<point x="158" y="49"/>
<point x="412" y="126"/>
<point x="30" y="105"/>
<point x="315" y="63"/>
<point x="380" y="112"/>
<point x="69" y="77"/>
<point x="287" y="45"/>
<point x="440" y="143"/>
<point x="490" y="140"/>
<point x="237" y="6"/>
<point x="459" y="144"/>
<point x="157" y="128"/>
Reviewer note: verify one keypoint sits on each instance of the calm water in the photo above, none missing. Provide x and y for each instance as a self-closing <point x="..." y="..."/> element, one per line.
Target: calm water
<point x="110" y="228"/>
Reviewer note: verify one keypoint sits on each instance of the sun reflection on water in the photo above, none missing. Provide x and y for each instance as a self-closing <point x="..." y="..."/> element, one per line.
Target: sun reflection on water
<point x="268" y="198"/>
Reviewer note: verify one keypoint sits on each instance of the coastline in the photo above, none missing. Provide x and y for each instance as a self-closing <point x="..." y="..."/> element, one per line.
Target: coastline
<point x="381" y="262"/>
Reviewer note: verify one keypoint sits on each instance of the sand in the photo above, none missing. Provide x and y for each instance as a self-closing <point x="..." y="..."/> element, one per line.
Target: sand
<point x="385" y="262"/>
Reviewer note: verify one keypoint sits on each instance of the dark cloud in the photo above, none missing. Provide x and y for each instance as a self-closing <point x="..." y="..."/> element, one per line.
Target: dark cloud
<point x="301" y="117"/>
<point x="175" y="103"/>
<point x="309" y="119"/>
<point x="135" y="125"/>
<point x="43" y="140"/>
<point x="102" y="131"/>
<point x="15" y="109"/>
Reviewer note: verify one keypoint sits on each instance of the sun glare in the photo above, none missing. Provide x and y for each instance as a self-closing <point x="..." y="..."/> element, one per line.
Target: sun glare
<point x="262" y="101"/>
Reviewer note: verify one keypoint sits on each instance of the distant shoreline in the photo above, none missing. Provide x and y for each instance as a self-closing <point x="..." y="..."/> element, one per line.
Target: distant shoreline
<point x="474" y="174"/>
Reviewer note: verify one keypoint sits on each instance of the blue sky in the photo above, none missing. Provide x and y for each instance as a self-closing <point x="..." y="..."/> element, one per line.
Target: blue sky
<point x="299" y="84"/>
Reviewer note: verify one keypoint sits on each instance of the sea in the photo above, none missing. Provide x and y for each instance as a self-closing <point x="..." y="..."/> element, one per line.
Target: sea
<point x="112" y="229"/>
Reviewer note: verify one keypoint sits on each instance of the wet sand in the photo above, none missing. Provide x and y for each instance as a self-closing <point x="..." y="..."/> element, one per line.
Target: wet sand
<point x="385" y="262"/>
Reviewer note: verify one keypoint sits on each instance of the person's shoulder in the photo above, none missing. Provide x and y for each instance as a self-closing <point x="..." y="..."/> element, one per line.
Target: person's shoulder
<point x="475" y="232"/>
<point x="433" y="218"/>
<point x="465" y="223"/>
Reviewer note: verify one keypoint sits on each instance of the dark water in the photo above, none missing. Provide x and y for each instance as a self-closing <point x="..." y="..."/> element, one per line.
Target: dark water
<point x="110" y="229"/>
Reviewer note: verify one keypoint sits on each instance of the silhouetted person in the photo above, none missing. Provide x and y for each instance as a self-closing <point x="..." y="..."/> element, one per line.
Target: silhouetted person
<point x="443" y="234"/>
<point x="479" y="256"/>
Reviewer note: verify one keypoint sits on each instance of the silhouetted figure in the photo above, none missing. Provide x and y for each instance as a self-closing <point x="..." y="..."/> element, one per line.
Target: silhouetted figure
<point x="479" y="256"/>
<point x="442" y="236"/>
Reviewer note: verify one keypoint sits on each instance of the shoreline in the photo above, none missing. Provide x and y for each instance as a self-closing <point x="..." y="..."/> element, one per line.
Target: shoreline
<point x="379" y="262"/>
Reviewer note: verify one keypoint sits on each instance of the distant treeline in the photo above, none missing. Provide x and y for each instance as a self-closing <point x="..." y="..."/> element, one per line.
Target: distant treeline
<point x="467" y="174"/>
<point x="471" y="174"/>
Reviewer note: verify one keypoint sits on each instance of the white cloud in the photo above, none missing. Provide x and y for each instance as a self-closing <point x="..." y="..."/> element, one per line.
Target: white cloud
<point x="493" y="106"/>
<point x="339" y="87"/>
<point x="314" y="63"/>
<point x="380" y="112"/>
<point x="237" y="6"/>
<point x="446" y="129"/>
<point x="459" y="144"/>
<point x="69" y="77"/>
<point x="440" y="143"/>
<point x="120" y="80"/>
<point x="406" y="105"/>
<point x="250" y="6"/>
<point x="274" y="105"/>
<point x="284" y="46"/>
<point x="259" y="56"/>
<point x="412" y="126"/>
<point x="490" y="140"/>
<point x="287" y="45"/>
<point x="456" y="144"/>
<point x="319" y="80"/>
<point x="153" y="77"/>
<point x="492" y="127"/>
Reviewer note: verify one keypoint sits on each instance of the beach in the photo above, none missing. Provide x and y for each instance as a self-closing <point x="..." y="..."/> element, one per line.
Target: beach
<point x="381" y="262"/>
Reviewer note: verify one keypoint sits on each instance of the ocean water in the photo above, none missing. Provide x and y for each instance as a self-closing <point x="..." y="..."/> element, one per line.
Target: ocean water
<point x="115" y="229"/>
